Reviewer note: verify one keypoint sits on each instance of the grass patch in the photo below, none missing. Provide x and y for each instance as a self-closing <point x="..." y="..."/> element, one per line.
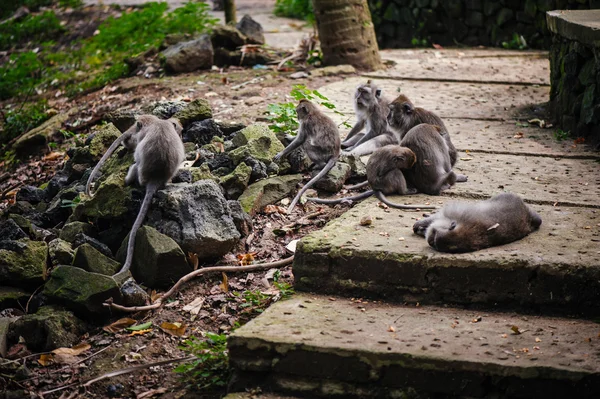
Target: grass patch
<point x="33" y="28"/>
<point x="300" y="9"/>
<point x="99" y="60"/>
<point x="22" y="119"/>
<point x="210" y="370"/>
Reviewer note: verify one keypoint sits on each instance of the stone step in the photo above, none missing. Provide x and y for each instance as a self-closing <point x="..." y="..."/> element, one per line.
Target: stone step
<point x="448" y="99"/>
<point x="315" y="346"/>
<point x="529" y="68"/>
<point x="554" y="268"/>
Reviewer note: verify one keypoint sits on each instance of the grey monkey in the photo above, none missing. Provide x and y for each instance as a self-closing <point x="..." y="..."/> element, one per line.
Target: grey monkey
<point x="319" y="137"/>
<point x="465" y="227"/>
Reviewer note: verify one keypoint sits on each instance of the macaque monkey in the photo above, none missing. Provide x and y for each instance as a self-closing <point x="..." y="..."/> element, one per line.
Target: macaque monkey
<point x="432" y="171"/>
<point x="403" y="116"/>
<point x="466" y="227"/>
<point x="371" y="111"/>
<point x="158" y="153"/>
<point x="385" y="175"/>
<point x="129" y="140"/>
<point x="319" y="137"/>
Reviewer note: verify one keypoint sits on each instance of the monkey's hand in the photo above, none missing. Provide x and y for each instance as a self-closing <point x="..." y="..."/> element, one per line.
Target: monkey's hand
<point x="277" y="157"/>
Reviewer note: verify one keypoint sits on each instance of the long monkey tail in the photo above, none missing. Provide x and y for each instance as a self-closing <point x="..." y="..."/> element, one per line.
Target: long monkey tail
<point x="96" y="169"/>
<point x="151" y="189"/>
<point x="358" y="185"/>
<point x="391" y="204"/>
<point x="336" y="201"/>
<point x="330" y="164"/>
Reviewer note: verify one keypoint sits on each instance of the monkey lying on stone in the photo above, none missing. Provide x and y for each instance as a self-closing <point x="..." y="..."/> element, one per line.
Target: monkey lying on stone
<point x="371" y="112"/>
<point x="385" y="176"/>
<point x="403" y="116"/>
<point x="319" y="137"/>
<point x="466" y="227"/>
<point x="158" y="153"/>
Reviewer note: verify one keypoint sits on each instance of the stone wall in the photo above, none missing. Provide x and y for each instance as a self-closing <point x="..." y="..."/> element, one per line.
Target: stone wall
<point x="575" y="74"/>
<point x="409" y="23"/>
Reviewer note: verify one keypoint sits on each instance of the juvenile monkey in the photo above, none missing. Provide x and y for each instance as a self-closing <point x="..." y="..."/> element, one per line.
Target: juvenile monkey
<point x="319" y="137"/>
<point x="129" y="140"/>
<point x="403" y="116"/>
<point x="385" y="175"/>
<point x="432" y="171"/>
<point x="466" y="227"/>
<point x="371" y="111"/>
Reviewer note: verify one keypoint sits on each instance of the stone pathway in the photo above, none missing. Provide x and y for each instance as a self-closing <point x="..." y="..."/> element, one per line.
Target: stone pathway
<point x="316" y="345"/>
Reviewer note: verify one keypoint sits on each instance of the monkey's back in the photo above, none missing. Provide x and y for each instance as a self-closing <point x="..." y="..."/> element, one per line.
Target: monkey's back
<point x="159" y="153"/>
<point x="433" y="160"/>
<point x="323" y="139"/>
<point x="384" y="171"/>
<point x="499" y="220"/>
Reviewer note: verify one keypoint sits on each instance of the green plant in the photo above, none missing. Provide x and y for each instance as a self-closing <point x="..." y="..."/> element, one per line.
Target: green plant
<point x="70" y="203"/>
<point x="9" y="158"/>
<point x="283" y="116"/>
<point x="33" y="28"/>
<point x="285" y="289"/>
<point x="301" y="9"/>
<point x="20" y="74"/>
<point x="561" y="135"/>
<point x="211" y="368"/>
<point x="18" y="121"/>
<point x="517" y="42"/>
<point x="416" y="42"/>
<point x="255" y="300"/>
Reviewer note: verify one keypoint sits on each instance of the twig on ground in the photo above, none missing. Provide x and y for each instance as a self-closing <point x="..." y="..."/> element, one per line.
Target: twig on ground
<point x="196" y="273"/>
<point x="118" y="372"/>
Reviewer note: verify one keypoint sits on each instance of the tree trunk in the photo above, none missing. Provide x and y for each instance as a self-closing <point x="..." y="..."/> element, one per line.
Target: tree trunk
<point x="346" y="33"/>
<point x="230" y="18"/>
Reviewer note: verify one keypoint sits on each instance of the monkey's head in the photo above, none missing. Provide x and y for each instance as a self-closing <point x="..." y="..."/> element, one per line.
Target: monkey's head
<point x="304" y="109"/>
<point x="402" y="116"/>
<point x="367" y="95"/>
<point x="402" y="157"/>
<point x="177" y="125"/>
<point x="455" y="236"/>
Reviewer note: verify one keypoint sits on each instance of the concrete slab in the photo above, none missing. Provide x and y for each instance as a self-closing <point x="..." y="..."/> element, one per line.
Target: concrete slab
<point x="537" y="179"/>
<point x="556" y="267"/>
<point x="511" y="137"/>
<point x="580" y="25"/>
<point x="449" y="99"/>
<point x="447" y="65"/>
<point x="319" y="346"/>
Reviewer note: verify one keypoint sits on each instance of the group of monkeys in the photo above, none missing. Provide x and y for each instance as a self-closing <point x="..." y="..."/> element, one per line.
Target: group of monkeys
<point x="411" y="152"/>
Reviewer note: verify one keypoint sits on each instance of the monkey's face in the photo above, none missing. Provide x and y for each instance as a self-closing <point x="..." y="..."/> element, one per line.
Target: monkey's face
<point x="401" y="115"/>
<point x="303" y="109"/>
<point x="366" y="96"/>
<point x="446" y="235"/>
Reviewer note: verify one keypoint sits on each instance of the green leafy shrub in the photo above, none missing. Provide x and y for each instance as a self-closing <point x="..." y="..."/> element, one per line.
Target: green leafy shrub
<point x="301" y="9"/>
<point x="21" y="120"/>
<point x="211" y="367"/>
<point x="37" y="28"/>
<point x="517" y="42"/>
<point x="20" y="74"/>
<point x="283" y="116"/>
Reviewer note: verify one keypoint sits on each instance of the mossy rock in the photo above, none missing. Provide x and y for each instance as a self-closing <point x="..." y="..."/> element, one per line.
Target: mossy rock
<point x="61" y="252"/>
<point x="11" y="297"/>
<point x="70" y="231"/>
<point x="51" y="327"/>
<point x="112" y="200"/>
<point x="82" y="291"/>
<point x="103" y="138"/>
<point x="236" y="182"/>
<point x="23" y="223"/>
<point x="268" y="191"/>
<point x="41" y="135"/>
<point x="259" y="142"/>
<point x="23" y="263"/>
<point x="90" y="259"/>
<point x="197" y="110"/>
<point x="202" y="173"/>
<point x="334" y="180"/>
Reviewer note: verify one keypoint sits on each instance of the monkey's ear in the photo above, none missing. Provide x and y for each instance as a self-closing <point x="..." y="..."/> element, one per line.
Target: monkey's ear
<point x="174" y="125"/>
<point x="378" y="93"/>
<point x="138" y="125"/>
<point x="407" y="108"/>
<point x="452" y="226"/>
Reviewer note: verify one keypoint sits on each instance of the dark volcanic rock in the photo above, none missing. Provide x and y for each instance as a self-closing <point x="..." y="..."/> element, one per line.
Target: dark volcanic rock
<point x="227" y="37"/>
<point x="31" y="194"/>
<point x="202" y="132"/>
<point x="10" y="230"/>
<point x="251" y="29"/>
<point x="82" y="238"/>
<point x="189" y="56"/>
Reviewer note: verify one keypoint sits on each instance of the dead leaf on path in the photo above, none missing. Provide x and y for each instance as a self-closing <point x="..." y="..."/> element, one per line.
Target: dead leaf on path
<point x="515" y="330"/>
<point x="224" y="284"/>
<point x="53" y="156"/>
<point x="476" y="319"/>
<point x="292" y="246"/>
<point x="269" y="209"/>
<point x="366" y="220"/>
<point x="579" y="140"/>
<point x="537" y="339"/>
<point x="540" y="122"/>
<point x="119" y="325"/>
<point x="391" y="329"/>
<point x="195" y="306"/>
<point x="175" y="329"/>
<point x="246" y="259"/>
<point x="154" y="296"/>
<point x="193" y="260"/>
<point x="46" y="359"/>
<point x="437" y="46"/>
<point x="140" y="332"/>
<point x="519" y="135"/>
<point x="73" y="351"/>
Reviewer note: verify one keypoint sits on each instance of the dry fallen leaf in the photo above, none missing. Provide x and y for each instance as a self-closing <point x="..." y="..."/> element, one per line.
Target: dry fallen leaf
<point x="73" y="351"/>
<point x="46" y="359"/>
<point x="515" y="330"/>
<point x="476" y="319"/>
<point x="195" y="306"/>
<point x="140" y="332"/>
<point x="119" y="325"/>
<point x="366" y="220"/>
<point x="246" y="259"/>
<point x="269" y="209"/>
<point x="579" y="140"/>
<point x="151" y="393"/>
<point x="176" y="329"/>
<point x="193" y="260"/>
<point x="391" y="329"/>
<point x="53" y="156"/>
<point x="537" y="339"/>
<point x="225" y="283"/>
<point x="519" y="135"/>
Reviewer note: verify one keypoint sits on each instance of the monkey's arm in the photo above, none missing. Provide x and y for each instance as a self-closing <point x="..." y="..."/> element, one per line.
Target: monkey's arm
<point x="106" y="155"/>
<point x="298" y="141"/>
<point x="421" y="226"/>
<point x="358" y="127"/>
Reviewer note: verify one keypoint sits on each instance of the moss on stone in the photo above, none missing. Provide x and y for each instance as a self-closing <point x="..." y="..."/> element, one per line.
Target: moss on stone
<point x="26" y="267"/>
<point x="202" y="173"/>
<point x="111" y="200"/>
<point x="103" y="138"/>
<point x="197" y="110"/>
<point x="236" y="182"/>
<point x="268" y="191"/>
<point x="70" y="230"/>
